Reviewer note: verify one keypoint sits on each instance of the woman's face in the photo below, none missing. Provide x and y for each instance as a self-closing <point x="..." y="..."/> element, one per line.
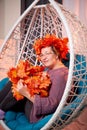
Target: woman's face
<point x="48" y="57"/>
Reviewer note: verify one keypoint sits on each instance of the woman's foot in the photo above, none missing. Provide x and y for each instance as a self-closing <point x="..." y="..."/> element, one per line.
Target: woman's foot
<point x="2" y="114"/>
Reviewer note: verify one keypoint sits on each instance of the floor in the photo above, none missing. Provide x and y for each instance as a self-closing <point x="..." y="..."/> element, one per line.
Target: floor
<point x="1" y="128"/>
<point x="80" y="123"/>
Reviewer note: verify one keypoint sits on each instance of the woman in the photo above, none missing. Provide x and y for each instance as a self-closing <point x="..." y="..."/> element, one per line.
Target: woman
<point x="50" y="51"/>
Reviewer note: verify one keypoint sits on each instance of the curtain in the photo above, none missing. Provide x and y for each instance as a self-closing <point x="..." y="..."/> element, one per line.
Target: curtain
<point x="78" y="7"/>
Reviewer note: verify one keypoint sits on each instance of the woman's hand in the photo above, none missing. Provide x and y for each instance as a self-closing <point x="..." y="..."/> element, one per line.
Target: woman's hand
<point x="22" y="89"/>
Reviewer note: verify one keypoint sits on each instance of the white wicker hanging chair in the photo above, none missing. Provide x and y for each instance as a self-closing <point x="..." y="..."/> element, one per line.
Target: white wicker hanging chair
<point x="37" y="21"/>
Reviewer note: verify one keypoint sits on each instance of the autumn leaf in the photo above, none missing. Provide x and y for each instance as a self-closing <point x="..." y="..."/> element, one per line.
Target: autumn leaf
<point x="37" y="81"/>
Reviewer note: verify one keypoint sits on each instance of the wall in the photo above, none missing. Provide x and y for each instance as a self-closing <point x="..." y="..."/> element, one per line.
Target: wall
<point x="9" y="13"/>
<point x="2" y="18"/>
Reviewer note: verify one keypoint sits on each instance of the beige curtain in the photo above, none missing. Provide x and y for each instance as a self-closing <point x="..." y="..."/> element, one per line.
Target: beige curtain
<point x="79" y="7"/>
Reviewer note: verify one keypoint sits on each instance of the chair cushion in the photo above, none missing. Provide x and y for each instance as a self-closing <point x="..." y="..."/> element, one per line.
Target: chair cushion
<point x="18" y="121"/>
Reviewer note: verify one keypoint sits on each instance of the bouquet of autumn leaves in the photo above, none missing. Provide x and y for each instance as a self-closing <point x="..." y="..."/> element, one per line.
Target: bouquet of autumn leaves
<point x="37" y="81"/>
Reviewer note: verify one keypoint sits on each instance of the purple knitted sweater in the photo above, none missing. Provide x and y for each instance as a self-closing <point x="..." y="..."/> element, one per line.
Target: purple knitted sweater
<point x="46" y="105"/>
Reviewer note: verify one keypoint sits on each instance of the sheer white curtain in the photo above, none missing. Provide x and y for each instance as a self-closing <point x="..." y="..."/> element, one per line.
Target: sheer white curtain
<point x="79" y="7"/>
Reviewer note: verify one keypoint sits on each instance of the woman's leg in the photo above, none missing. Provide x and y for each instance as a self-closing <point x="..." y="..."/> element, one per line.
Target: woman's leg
<point x="8" y="102"/>
<point x="5" y="91"/>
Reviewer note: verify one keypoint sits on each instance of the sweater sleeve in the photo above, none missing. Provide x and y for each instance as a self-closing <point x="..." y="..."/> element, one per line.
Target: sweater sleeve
<point x="47" y="105"/>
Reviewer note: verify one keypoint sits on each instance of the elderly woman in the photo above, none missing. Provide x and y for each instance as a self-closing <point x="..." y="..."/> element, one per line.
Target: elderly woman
<point x="50" y="50"/>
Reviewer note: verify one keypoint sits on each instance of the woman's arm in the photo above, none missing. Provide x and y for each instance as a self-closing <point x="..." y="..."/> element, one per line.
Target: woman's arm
<point x="46" y="105"/>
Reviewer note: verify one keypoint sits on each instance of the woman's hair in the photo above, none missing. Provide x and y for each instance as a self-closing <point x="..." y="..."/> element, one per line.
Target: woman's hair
<point x="55" y="52"/>
<point x="59" y="45"/>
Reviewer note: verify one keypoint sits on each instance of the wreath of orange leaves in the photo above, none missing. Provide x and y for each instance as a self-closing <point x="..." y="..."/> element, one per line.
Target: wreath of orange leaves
<point x="60" y="44"/>
<point x="37" y="81"/>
